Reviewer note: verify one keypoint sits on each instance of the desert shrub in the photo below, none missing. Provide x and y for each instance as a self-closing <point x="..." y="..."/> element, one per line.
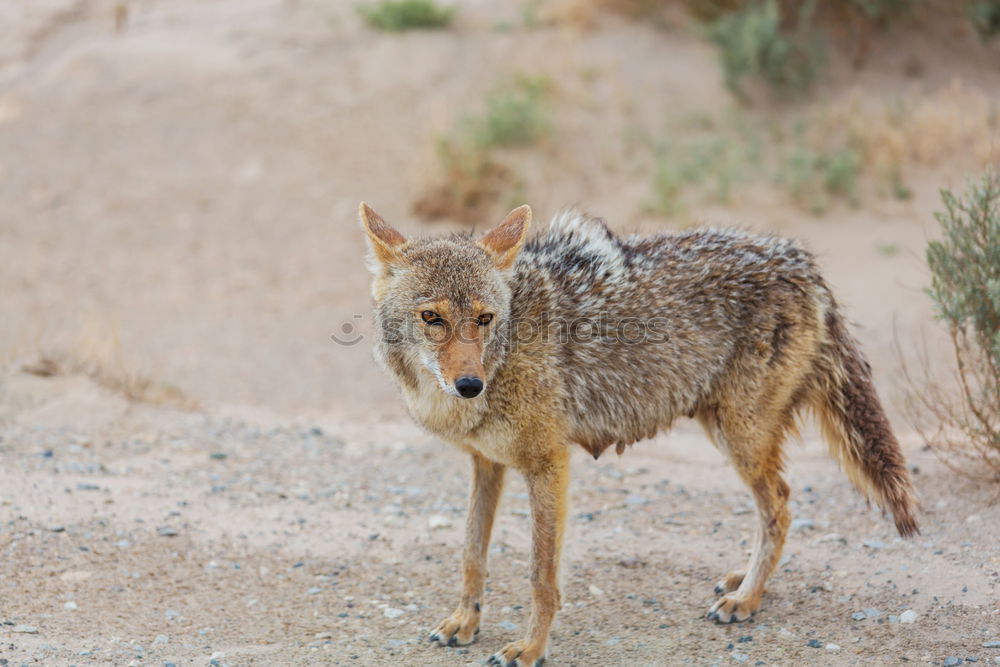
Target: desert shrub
<point x="965" y="288"/>
<point x="398" y="15"/>
<point x="473" y="178"/>
<point x="985" y="16"/>
<point x="755" y="43"/>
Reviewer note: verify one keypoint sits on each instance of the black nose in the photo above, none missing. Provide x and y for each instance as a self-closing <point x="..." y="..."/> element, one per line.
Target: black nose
<point x="468" y="386"/>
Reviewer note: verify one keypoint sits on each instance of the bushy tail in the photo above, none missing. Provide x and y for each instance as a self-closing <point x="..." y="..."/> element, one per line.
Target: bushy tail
<point x="856" y="428"/>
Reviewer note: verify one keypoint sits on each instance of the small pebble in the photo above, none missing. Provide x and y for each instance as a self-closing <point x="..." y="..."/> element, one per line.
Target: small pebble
<point x="438" y="521"/>
<point x="739" y="657"/>
<point x="392" y="612"/>
<point x="908" y="616"/>
<point x="57" y="529"/>
<point x="25" y="629"/>
<point x="832" y="647"/>
<point x="874" y="545"/>
<point x="167" y="531"/>
<point x="872" y="612"/>
<point x="69" y="605"/>
<point x="859" y="616"/>
<point x="508" y="626"/>
<point x="799" y="525"/>
<point x="814" y="643"/>
<point x="595" y="591"/>
<point x="324" y="635"/>
<point x="995" y="643"/>
<point x="951" y="661"/>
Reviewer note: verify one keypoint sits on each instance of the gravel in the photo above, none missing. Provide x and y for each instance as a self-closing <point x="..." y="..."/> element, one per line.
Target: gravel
<point x="802" y="525"/>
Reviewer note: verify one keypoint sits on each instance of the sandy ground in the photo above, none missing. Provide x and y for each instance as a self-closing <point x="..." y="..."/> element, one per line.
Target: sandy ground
<point x="183" y="193"/>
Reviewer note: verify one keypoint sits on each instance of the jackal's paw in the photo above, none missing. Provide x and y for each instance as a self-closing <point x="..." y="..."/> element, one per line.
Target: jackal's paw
<point x="519" y="654"/>
<point x="458" y="629"/>
<point x="730" y="582"/>
<point x="730" y="608"/>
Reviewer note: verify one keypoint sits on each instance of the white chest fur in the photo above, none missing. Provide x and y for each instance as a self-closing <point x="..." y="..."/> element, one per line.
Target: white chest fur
<point x="460" y="421"/>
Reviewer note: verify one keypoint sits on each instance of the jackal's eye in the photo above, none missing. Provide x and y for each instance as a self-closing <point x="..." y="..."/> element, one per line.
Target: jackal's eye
<point x="485" y="319"/>
<point x="431" y="318"/>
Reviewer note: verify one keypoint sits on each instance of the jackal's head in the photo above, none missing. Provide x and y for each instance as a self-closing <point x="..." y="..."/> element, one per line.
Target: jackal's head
<point x="442" y="304"/>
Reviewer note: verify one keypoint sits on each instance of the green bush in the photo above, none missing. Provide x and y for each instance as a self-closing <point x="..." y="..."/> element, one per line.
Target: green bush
<point x="965" y="287"/>
<point x="754" y="43"/>
<point x="397" y="15"/>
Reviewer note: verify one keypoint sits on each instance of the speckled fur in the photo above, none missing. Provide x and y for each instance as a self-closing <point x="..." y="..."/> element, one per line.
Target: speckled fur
<point x="744" y="334"/>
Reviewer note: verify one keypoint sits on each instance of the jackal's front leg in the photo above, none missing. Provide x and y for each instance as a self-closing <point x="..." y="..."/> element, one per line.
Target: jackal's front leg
<point x="463" y="624"/>
<point x="547" y="493"/>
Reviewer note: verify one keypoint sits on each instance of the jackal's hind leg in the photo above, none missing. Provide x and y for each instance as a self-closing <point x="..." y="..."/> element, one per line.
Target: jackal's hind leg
<point x="756" y="455"/>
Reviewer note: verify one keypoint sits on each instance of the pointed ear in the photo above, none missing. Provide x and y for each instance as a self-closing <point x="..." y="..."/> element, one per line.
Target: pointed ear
<point x="384" y="240"/>
<point x="503" y="241"/>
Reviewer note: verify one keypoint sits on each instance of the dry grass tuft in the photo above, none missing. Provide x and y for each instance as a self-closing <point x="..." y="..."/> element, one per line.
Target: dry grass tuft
<point x="98" y="355"/>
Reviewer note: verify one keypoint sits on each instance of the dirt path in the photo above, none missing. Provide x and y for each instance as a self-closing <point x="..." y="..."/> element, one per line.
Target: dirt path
<point x="154" y="536"/>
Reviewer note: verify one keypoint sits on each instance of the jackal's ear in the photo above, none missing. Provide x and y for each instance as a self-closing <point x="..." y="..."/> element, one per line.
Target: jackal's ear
<point x="503" y="241"/>
<point x="384" y="240"/>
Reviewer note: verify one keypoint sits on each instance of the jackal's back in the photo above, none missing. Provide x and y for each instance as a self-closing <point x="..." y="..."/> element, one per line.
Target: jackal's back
<point x="648" y="327"/>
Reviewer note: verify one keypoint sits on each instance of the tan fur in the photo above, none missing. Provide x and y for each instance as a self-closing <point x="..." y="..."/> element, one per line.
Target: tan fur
<point x="737" y="331"/>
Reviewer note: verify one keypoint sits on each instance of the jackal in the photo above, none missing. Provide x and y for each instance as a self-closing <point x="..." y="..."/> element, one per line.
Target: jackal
<point x="512" y="349"/>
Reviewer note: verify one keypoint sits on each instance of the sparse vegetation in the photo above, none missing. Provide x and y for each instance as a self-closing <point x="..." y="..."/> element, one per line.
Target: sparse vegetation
<point x="712" y="165"/>
<point x="985" y="16"/>
<point x="98" y="355"/>
<point x="814" y="176"/>
<point x="845" y="152"/>
<point x="965" y="287"/>
<point x="516" y="115"/>
<point x="880" y="10"/>
<point x="754" y="43"/>
<point x="399" y="15"/>
<point x="473" y="178"/>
